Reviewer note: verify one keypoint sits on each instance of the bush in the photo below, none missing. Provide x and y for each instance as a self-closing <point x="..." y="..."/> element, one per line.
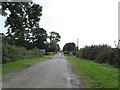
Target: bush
<point x="101" y="54"/>
<point x="13" y="53"/>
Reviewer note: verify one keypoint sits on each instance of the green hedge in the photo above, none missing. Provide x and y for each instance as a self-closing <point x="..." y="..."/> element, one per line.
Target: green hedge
<point x="13" y="53"/>
<point x="101" y="54"/>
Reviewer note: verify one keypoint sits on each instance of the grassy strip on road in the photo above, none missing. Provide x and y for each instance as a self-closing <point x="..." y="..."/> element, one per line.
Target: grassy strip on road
<point x="13" y="66"/>
<point x="94" y="74"/>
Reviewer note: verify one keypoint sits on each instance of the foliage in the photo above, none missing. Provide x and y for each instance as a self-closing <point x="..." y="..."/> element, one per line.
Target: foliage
<point x="22" y="17"/>
<point x="13" y="53"/>
<point x="95" y="75"/>
<point x="40" y="38"/>
<point x="70" y="47"/>
<point x="54" y="39"/>
<point x="101" y="54"/>
<point x="54" y="47"/>
<point x="24" y="32"/>
<point x="22" y="20"/>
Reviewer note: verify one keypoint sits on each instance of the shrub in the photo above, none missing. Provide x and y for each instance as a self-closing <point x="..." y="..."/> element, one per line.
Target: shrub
<point x="101" y="54"/>
<point x="13" y="53"/>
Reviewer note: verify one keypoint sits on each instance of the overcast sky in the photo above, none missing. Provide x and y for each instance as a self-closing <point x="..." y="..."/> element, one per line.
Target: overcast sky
<point x="91" y="21"/>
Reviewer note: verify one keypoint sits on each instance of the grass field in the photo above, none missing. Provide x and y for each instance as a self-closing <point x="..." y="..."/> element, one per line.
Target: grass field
<point x="95" y="75"/>
<point x="13" y="66"/>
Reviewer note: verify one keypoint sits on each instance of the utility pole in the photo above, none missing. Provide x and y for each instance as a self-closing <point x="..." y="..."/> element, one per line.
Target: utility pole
<point x="77" y="43"/>
<point x="118" y="25"/>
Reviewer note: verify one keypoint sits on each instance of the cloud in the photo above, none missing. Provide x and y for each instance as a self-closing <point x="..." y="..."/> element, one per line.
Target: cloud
<point x="92" y="21"/>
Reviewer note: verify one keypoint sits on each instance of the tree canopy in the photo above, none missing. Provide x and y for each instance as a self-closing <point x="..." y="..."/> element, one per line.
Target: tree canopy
<point x="54" y="39"/>
<point x="22" y="21"/>
<point x="70" y="47"/>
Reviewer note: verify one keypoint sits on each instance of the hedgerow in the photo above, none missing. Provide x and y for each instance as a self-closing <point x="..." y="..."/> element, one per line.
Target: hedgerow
<point x="100" y="54"/>
<point x="12" y="53"/>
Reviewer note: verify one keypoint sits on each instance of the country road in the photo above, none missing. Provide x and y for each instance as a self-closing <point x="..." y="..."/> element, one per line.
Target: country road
<point x="54" y="73"/>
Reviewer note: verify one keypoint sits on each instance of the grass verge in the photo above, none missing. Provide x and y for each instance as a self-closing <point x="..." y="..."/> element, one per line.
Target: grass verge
<point x="95" y="75"/>
<point x="13" y="66"/>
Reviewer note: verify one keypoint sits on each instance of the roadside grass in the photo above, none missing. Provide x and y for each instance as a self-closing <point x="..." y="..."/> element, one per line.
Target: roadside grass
<point x="16" y="65"/>
<point x="94" y="74"/>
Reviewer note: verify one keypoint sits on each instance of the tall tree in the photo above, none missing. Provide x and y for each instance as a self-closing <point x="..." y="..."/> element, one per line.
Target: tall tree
<point x="70" y="47"/>
<point x="40" y="39"/>
<point x="22" y="19"/>
<point x="54" y="39"/>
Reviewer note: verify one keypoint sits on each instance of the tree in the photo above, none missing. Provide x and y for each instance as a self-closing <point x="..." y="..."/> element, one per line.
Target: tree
<point x="70" y="47"/>
<point x="58" y="47"/>
<point x="22" y="19"/>
<point x="40" y="38"/>
<point x="54" y="39"/>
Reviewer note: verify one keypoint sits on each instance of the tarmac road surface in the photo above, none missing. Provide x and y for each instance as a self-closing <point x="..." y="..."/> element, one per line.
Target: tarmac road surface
<point x="54" y="73"/>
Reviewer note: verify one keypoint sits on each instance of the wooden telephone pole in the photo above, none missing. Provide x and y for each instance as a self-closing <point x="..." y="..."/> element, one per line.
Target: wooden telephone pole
<point x="77" y="44"/>
<point x="118" y="25"/>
